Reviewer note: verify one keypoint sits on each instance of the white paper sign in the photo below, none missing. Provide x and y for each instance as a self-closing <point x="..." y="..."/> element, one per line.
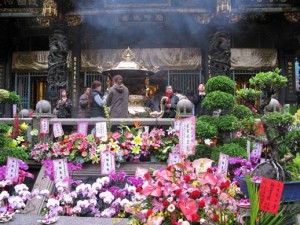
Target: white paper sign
<point x="14" y="109"/>
<point x="82" y="128"/>
<point x="248" y="149"/>
<point x="140" y="172"/>
<point x="146" y="129"/>
<point x="12" y="169"/>
<point x="61" y="172"/>
<point x="44" y="126"/>
<point x="57" y="130"/>
<point x="187" y="136"/>
<point x="223" y="163"/>
<point x="101" y="130"/>
<point x="257" y="148"/>
<point x="107" y="162"/>
<point x="173" y="159"/>
<point x="177" y="125"/>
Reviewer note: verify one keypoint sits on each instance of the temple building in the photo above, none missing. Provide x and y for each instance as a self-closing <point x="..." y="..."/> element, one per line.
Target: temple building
<point x="46" y="45"/>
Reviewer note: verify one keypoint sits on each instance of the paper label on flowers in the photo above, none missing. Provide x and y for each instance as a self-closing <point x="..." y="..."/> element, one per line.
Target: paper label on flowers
<point x="256" y="152"/>
<point x="57" y="130"/>
<point x="61" y="172"/>
<point x="44" y="126"/>
<point x="82" y="128"/>
<point x="187" y="136"/>
<point x="12" y="169"/>
<point x="270" y="192"/>
<point x="177" y="125"/>
<point x="146" y="128"/>
<point x="140" y="172"/>
<point x="107" y="162"/>
<point x="173" y="159"/>
<point x="223" y="163"/>
<point x="14" y="109"/>
<point x="101" y="130"/>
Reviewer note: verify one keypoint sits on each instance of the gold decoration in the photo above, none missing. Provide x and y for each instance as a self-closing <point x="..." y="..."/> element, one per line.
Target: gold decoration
<point x="73" y="20"/>
<point x="128" y="55"/>
<point x="293" y="17"/>
<point x="44" y="21"/>
<point x="49" y="8"/>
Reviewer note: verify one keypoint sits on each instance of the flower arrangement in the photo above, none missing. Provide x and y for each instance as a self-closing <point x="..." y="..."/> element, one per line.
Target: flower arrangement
<point x="181" y="195"/>
<point x="104" y="197"/>
<point x="13" y="200"/>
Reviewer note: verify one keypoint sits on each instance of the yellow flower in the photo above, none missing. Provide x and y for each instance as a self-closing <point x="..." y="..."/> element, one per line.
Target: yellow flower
<point x="95" y="158"/>
<point x="101" y="147"/>
<point x="137" y="140"/>
<point x="20" y="139"/>
<point x="24" y="126"/>
<point x="136" y="150"/>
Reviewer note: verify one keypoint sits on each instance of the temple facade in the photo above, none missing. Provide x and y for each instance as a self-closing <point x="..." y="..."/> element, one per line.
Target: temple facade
<point x="53" y="44"/>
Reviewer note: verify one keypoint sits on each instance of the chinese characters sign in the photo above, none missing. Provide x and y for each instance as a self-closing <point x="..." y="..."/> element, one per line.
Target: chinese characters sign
<point x="82" y="128"/>
<point x="20" y="3"/>
<point x="270" y="192"/>
<point x="44" y="126"/>
<point x="173" y="158"/>
<point x="61" y="172"/>
<point x="256" y="152"/>
<point x="223" y="163"/>
<point x="101" y="130"/>
<point x="107" y="162"/>
<point x="12" y="169"/>
<point x="57" y="130"/>
<point x="187" y="136"/>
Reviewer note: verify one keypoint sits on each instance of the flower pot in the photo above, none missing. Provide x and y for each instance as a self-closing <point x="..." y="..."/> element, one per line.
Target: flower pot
<point x="290" y="190"/>
<point x="153" y="158"/>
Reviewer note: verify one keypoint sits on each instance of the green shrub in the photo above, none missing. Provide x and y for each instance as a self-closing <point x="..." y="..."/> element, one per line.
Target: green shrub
<point x="241" y="141"/>
<point x="205" y="130"/>
<point x="13" y="98"/>
<point x="228" y="123"/>
<point x="220" y="83"/>
<point x="18" y="153"/>
<point x="201" y="151"/>
<point x="248" y="94"/>
<point x="233" y="150"/>
<point x="219" y="100"/>
<point x="241" y="112"/>
<point x="4" y="128"/>
<point x="209" y="119"/>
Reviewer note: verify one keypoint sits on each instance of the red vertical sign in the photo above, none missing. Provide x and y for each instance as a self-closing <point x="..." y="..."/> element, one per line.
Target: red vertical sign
<point x="270" y="192"/>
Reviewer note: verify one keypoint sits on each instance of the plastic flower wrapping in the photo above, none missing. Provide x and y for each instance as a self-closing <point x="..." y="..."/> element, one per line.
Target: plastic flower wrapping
<point x="180" y="195"/>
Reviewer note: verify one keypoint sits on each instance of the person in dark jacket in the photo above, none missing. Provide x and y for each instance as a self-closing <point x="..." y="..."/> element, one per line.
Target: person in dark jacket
<point x="170" y="105"/>
<point x="197" y="100"/>
<point x="97" y="101"/>
<point x="117" y="98"/>
<point x="64" y="105"/>
<point x="84" y="104"/>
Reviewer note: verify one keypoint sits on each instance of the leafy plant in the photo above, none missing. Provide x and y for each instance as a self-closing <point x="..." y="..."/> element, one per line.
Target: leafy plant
<point x="248" y="94"/>
<point x="269" y="82"/>
<point x="13" y="98"/>
<point x="18" y="152"/>
<point x="201" y="151"/>
<point x="220" y="83"/>
<point x="219" y="100"/>
<point x="241" y="112"/>
<point x="208" y="119"/>
<point x="205" y="130"/>
<point x="233" y="150"/>
<point x="228" y="123"/>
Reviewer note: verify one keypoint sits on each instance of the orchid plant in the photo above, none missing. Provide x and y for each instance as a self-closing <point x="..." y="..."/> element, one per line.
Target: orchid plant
<point x="14" y="194"/>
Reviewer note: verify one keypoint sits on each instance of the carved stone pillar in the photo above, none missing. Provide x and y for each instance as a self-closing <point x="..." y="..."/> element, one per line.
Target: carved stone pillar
<point x="219" y="53"/>
<point x="57" y="61"/>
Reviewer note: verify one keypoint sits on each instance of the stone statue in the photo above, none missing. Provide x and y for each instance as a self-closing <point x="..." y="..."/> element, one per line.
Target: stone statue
<point x="219" y="53"/>
<point x="57" y="61"/>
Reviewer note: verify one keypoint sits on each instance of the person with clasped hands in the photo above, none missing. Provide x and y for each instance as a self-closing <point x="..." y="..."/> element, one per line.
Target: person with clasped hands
<point x="64" y="105"/>
<point x="97" y="100"/>
<point x="197" y="100"/>
<point x="170" y="104"/>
